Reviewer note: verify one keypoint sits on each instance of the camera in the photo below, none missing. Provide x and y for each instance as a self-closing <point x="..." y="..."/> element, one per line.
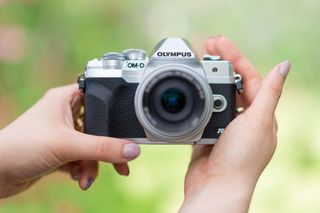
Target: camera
<point x="170" y="97"/>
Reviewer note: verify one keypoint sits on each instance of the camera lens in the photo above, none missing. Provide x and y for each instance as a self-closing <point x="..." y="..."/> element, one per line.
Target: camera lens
<point x="174" y="104"/>
<point x="173" y="100"/>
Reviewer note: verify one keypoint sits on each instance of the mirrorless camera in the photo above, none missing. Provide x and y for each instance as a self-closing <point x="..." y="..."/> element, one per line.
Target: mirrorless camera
<point x="171" y="97"/>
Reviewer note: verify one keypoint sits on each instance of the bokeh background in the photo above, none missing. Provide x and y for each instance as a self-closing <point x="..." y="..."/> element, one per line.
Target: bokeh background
<point x="44" y="44"/>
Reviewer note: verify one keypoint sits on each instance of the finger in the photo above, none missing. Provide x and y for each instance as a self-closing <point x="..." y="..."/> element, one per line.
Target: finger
<point x="72" y="168"/>
<point x="89" y="172"/>
<point x="80" y="146"/>
<point x="223" y="47"/>
<point x="240" y="101"/>
<point x="199" y="151"/>
<point x="122" y="169"/>
<point x="65" y="167"/>
<point x="63" y="91"/>
<point x="269" y="93"/>
<point x="76" y="103"/>
<point x="75" y="171"/>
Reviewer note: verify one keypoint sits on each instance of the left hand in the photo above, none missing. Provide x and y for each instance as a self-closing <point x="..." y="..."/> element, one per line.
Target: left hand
<point x="44" y="139"/>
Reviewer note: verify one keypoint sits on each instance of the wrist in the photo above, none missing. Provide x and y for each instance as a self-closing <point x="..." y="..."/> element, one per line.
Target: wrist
<point x="223" y="193"/>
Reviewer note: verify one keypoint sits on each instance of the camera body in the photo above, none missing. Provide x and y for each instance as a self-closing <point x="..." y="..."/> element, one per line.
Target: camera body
<point x="169" y="98"/>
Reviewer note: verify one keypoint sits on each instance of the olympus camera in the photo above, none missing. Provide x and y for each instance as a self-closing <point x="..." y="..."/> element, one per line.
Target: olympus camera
<point x="170" y="98"/>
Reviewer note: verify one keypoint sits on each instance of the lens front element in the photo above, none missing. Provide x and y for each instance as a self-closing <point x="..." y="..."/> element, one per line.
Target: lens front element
<point x="169" y="101"/>
<point x="173" y="100"/>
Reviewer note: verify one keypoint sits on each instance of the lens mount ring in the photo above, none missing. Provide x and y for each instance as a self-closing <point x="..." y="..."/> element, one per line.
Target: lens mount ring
<point x="167" y="71"/>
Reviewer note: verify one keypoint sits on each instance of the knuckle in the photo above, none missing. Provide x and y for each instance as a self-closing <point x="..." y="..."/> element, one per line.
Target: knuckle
<point x="51" y="92"/>
<point x="267" y="124"/>
<point x="259" y="122"/>
<point x="222" y="38"/>
<point x="274" y="91"/>
<point x="103" y="148"/>
<point x="63" y="146"/>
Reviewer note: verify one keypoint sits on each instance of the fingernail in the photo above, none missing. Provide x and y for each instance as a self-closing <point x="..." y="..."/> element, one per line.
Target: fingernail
<point x="89" y="183"/>
<point x="285" y="68"/>
<point x="131" y="151"/>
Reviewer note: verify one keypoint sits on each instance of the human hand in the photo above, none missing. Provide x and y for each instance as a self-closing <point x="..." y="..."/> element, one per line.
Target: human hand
<point x="222" y="177"/>
<point x="43" y="139"/>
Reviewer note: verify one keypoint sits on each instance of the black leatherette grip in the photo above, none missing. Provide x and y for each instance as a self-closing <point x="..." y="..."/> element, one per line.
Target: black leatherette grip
<point x="109" y="108"/>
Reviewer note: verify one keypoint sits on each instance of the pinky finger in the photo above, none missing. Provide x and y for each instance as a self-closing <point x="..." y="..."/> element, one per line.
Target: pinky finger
<point x="122" y="169"/>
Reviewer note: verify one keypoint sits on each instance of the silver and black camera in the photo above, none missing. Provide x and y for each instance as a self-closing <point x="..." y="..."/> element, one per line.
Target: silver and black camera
<point x="171" y="97"/>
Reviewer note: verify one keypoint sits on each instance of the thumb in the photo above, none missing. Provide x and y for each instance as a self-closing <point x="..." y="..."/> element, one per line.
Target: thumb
<point x="271" y="88"/>
<point x="82" y="146"/>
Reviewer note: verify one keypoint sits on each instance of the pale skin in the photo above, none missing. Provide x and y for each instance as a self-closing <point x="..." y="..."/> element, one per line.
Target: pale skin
<point x="43" y="139"/>
<point x="222" y="178"/>
<point x="219" y="179"/>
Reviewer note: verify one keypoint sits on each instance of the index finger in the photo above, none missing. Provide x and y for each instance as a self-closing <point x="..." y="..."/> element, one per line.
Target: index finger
<point x="223" y="47"/>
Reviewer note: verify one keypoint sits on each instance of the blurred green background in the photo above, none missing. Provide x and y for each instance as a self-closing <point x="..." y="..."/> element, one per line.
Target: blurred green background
<point x="44" y="44"/>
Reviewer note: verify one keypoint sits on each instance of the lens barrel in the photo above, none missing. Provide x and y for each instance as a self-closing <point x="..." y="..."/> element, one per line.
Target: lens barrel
<point x="173" y="103"/>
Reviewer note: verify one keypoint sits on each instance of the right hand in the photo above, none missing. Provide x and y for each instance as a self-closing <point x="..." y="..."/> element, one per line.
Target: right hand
<point x="221" y="178"/>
